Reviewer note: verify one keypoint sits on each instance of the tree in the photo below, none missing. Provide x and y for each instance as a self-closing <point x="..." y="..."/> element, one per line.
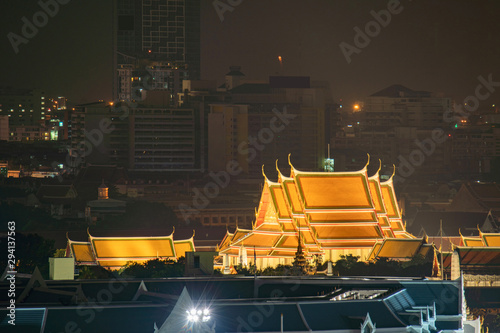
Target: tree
<point x="156" y="268"/>
<point x="31" y="251"/>
<point x="93" y="272"/>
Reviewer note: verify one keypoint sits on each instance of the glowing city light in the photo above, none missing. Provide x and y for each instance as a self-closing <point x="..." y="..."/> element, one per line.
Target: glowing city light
<point x="199" y="315"/>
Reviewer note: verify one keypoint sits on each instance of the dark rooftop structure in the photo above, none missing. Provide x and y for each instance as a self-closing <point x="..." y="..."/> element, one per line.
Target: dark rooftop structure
<point x="428" y="223"/>
<point x="289" y="82"/>
<point x="251" y="88"/>
<point x="398" y="90"/>
<point x="307" y="304"/>
<point x="235" y="71"/>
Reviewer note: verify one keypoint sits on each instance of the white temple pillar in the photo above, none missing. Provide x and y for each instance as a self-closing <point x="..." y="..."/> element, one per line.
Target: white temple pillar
<point x="455" y="265"/>
<point x="243" y="256"/>
<point x="329" y="271"/>
<point x="225" y="261"/>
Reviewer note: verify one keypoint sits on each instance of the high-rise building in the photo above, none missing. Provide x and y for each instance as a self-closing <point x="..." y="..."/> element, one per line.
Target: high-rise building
<point x="393" y="125"/>
<point x="24" y="107"/>
<point x="257" y="123"/>
<point x="158" y="40"/>
<point x="398" y="105"/>
<point x="143" y="138"/>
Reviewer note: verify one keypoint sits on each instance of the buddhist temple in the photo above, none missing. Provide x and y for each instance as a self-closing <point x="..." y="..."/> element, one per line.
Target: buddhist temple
<point x="116" y="252"/>
<point x="477" y="257"/>
<point x="484" y="239"/>
<point x="325" y="214"/>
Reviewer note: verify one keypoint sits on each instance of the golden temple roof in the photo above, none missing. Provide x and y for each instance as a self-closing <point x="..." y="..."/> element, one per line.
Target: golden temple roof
<point x="484" y="239"/>
<point x="115" y="252"/>
<point x="332" y="210"/>
<point x="394" y="248"/>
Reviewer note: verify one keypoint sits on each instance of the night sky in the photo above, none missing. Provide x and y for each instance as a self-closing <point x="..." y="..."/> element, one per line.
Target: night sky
<point x="439" y="46"/>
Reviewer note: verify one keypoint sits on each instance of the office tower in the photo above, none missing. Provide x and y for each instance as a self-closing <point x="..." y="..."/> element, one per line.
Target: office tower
<point x="156" y="42"/>
<point x="24" y="107"/>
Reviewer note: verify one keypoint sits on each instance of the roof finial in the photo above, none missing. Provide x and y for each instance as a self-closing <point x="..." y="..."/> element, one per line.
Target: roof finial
<point x="379" y="166"/>
<point x="194" y="232"/>
<point x="367" y="162"/>
<point x="88" y="232"/>
<point x="279" y="172"/>
<point x="292" y="172"/>
<point x="173" y="229"/>
<point x="393" y="171"/>
<point x="263" y="174"/>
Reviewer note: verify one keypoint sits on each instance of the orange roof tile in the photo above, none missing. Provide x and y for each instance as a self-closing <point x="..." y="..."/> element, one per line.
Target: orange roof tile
<point x="399" y="248"/>
<point x="350" y="190"/>
<point x="82" y="252"/>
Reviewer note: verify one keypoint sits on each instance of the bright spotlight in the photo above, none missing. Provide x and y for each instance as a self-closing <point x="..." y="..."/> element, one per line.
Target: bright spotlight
<point x="195" y="315"/>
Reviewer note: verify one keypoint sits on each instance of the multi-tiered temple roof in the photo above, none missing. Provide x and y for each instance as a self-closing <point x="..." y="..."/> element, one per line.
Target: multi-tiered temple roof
<point x="325" y="211"/>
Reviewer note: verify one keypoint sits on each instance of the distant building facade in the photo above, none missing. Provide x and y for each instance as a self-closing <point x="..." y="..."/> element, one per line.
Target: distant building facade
<point x="4" y="128"/>
<point x="23" y="106"/>
<point x="396" y="124"/>
<point x="147" y="138"/>
<point x="159" y="38"/>
<point x="257" y="123"/>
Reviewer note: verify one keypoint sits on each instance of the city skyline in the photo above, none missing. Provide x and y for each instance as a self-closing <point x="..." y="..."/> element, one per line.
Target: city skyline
<point x="439" y="47"/>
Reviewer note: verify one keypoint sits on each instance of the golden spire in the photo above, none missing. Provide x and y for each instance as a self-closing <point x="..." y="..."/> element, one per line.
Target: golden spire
<point x="393" y="171"/>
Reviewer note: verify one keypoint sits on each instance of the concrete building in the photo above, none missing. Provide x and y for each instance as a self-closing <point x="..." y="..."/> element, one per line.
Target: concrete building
<point x="228" y="127"/>
<point x="159" y="35"/>
<point x="266" y="121"/>
<point x="150" y="76"/>
<point x="145" y="138"/>
<point x="473" y="148"/>
<point x="397" y="125"/>
<point x="23" y="106"/>
<point x="398" y="105"/>
<point x="29" y="133"/>
<point x="4" y="128"/>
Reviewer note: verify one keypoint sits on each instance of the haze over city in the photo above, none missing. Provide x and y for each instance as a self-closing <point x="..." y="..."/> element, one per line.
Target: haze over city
<point x="229" y="166"/>
<point x="438" y="46"/>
